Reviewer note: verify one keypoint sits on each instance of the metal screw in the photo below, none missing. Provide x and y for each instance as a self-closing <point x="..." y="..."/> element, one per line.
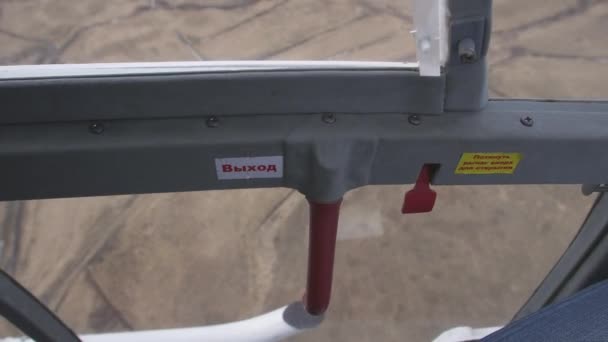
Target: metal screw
<point x="467" y="57"/>
<point x="527" y="121"/>
<point x="213" y="122"/>
<point x="328" y="118"/>
<point x="96" y="128"/>
<point x="466" y="51"/>
<point x="414" y="120"/>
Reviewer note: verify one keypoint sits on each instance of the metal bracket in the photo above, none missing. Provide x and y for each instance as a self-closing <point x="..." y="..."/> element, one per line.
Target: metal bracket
<point x="588" y="189"/>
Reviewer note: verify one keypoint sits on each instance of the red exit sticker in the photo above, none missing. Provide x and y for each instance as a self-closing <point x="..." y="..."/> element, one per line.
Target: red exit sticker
<point x="249" y="167"/>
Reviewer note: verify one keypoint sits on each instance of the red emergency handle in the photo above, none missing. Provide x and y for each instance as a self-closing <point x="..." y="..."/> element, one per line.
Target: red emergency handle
<point x="321" y="250"/>
<point x="421" y="199"/>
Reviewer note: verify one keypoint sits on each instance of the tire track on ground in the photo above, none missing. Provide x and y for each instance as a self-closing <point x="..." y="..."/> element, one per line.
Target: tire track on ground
<point x="581" y="7"/>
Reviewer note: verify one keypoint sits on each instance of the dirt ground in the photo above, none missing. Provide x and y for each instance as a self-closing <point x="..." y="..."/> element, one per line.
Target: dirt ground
<point x="172" y="260"/>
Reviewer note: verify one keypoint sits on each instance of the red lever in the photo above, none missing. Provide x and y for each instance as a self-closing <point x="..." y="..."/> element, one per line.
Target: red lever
<point x="421" y="198"/>
<point x="321" y="248"/>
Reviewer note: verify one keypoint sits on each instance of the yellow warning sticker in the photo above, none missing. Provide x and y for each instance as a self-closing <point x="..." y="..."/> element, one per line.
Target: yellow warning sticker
<point x="487" y="163"/>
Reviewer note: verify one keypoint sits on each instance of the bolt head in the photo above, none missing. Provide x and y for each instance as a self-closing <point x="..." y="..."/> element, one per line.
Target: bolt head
<point x="96" y="128"/>
<point x="468" y="57"/>
<point x="466" y="51"/>
<point x="527" y="121"/>
<point x="328" y="118"/>
<point x="414" y="120"/>
<point x="213" y="122"/>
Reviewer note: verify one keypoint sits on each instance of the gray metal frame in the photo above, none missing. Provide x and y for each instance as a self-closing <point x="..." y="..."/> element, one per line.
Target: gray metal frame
<point x="323" y="160"/>
<point x="341" y="89"/>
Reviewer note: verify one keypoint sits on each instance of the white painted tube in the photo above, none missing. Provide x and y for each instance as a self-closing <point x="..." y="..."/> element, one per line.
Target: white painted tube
<point x="273" y="326"/>
<point x="431" y="25"/>
<point x="16" y="72"/>
<point x="464" y="334"/>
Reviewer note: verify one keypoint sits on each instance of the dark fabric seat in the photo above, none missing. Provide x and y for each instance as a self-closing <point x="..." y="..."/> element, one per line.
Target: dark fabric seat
<point x="582" y="317"/>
